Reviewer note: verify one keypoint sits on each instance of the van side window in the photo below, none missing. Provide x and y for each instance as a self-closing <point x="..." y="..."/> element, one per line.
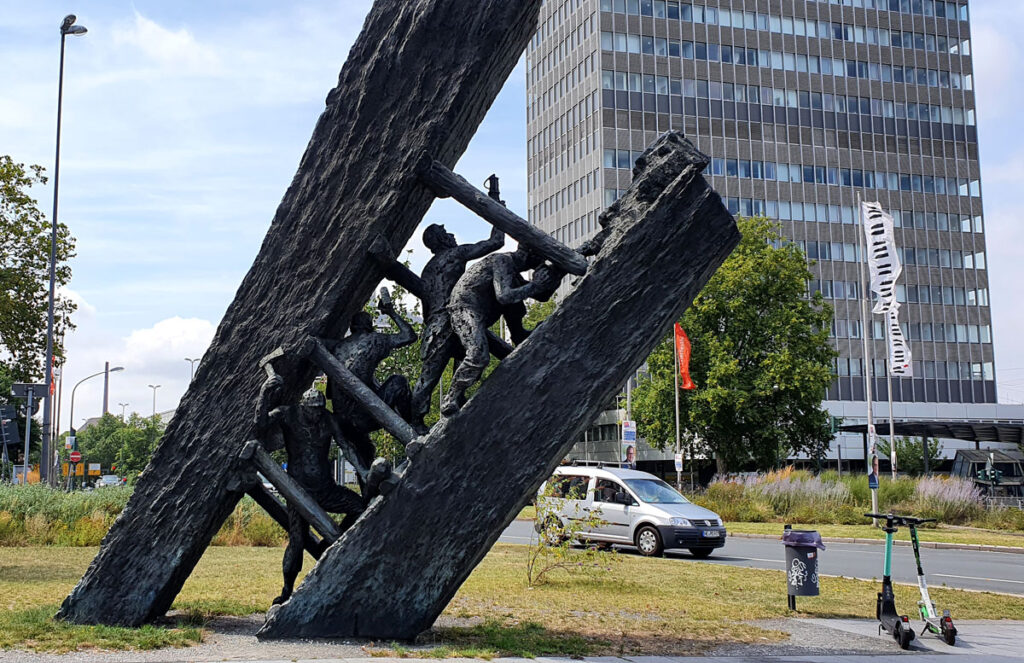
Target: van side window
<point x="571" y="487"/>
<point x="606" y="489"/>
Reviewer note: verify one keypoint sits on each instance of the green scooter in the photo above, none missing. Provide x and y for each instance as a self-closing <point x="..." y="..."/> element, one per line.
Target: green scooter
<point x="940" y="626"/>
<point x="893" y="623"/>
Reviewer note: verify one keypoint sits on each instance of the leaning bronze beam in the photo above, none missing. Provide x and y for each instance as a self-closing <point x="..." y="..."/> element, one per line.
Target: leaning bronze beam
<point x="294" y="493"/>
<point x="357" y="390"/>
<point x="445" y="184"/>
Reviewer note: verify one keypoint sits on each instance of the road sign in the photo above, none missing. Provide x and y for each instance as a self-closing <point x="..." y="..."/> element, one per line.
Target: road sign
<point x="628" y="431"/>
<point x="75" y="457"/>
<point x="679" y="462"/>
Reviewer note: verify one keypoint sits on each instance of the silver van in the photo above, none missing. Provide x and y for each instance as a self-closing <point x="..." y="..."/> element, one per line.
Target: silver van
<point x="636" y="508"/>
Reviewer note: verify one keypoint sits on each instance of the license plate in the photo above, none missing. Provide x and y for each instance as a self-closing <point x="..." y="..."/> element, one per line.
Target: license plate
<point x="710" y="534"/>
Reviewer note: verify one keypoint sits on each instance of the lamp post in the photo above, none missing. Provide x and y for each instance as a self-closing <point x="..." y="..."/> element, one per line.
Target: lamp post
<point x="192" y="367"/>
<point x="154" y="387"/>
<point x="123" y="406"/>
<point x="67" y="27"/>
<point x="105" y="371"/>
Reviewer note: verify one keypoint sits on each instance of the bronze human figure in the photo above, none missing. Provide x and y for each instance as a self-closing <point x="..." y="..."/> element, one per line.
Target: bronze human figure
<point x="361" y="352"/>
<point x="439" y="344"/>
<point x="481" y="296"/>
<point x="307" y="431"/>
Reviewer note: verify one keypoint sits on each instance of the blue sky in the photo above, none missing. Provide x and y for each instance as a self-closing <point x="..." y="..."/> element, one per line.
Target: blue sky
<point x="184" y="123"/>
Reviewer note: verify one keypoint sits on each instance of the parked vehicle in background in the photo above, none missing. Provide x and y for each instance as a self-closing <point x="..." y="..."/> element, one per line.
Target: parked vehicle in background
<point x="108" y="480"/>
<point x="635" y="508"/>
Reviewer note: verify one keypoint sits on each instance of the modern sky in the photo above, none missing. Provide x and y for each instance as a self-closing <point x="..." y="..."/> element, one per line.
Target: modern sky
<point x="184" y="123"/>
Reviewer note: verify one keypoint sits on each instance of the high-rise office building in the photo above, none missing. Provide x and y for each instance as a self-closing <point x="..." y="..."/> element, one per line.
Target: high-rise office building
<point x="803" y="105"/>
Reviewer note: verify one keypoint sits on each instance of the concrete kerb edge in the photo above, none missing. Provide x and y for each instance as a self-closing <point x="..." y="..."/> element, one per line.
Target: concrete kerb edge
<point x="924" y="544"/>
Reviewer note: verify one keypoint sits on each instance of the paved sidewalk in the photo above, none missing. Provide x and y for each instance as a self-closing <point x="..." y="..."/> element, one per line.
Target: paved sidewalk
<point x="812" y="641"/>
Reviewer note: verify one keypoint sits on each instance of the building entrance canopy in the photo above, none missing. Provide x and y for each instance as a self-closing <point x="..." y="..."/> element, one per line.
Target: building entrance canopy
<point x="976" y="430"/>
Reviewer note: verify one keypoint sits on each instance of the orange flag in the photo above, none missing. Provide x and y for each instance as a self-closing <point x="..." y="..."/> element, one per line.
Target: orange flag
<point x="683" y="355"/>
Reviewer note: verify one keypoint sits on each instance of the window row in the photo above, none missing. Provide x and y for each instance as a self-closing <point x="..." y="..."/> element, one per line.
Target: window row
<point x="850" y="252"/>
<point x="632" y="82"/>
<point x="916" y="331"/>
<point x="810" y="64"/>
<point x="739" y="114"/>
<point x="726" y="18"/>
<point x="785" y="210"/>
<point x="788" y="25"/>
<point x="938" y="8"/>
<point x="932" y="370"/>
<point x="831" y="289"/>
<point x="848" y="177"/>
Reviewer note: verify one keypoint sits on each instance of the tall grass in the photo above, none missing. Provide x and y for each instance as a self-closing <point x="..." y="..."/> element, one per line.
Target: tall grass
<point x="39" y="515"/>
<point x="797" y="496"/>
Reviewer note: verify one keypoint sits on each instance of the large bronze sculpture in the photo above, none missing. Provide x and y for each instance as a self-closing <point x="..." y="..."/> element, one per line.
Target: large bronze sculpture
<point x="408" y="100"/>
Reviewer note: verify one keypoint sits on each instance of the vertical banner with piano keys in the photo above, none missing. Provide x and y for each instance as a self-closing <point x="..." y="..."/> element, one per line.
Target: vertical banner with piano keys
<point x="885" y="267"/>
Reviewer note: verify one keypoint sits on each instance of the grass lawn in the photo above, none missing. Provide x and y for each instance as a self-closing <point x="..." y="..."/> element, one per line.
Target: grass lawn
<point x="639" y="606"/>
<point x="939" y="534"/>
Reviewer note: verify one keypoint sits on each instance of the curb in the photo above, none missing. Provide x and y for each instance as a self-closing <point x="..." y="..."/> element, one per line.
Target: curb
<point x="924" y="544"/>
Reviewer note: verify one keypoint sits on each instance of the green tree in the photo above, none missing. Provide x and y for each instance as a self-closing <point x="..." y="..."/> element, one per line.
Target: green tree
<point x="910" y="454"/>
<point x="24" y="276"/>
<point x="98" y="443"/>
<point x="126" y="445"/>
<point x="761" y="360"/>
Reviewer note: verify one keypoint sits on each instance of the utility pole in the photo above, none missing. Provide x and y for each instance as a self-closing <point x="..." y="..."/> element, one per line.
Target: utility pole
<point x="675" y="364"/>
<point x="868" y="362"/>
<point x="106" y="387"/>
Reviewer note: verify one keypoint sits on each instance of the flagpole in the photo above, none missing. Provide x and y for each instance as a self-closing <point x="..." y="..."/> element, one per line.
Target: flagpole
<point x="868" y="363"/>
<point x="888" y="384"/>
<point x="675" y="363"/>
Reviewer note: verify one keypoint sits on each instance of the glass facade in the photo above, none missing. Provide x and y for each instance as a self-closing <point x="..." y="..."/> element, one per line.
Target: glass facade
<point x="803" y="105"/>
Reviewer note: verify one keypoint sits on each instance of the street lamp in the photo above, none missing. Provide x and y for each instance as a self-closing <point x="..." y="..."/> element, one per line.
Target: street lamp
<point x="73" y="389"/>
<point x="67" y="27"/>
<point x="192" y="367"/>
<point x="123" y="406"/>
<point x="154" y="387"/>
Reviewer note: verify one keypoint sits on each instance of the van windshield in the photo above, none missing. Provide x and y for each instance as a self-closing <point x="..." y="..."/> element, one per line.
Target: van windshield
<point x="655" y="491"/>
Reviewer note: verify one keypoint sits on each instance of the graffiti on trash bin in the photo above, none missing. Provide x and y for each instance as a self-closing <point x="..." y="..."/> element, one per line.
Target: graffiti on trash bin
<point x="797" y="573"/>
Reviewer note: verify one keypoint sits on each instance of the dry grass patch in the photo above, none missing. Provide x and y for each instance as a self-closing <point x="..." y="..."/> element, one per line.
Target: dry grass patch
<point x="640" y="606"/>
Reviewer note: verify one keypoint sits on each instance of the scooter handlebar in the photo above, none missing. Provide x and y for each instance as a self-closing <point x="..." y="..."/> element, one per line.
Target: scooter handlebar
<point x="902" y="520"/>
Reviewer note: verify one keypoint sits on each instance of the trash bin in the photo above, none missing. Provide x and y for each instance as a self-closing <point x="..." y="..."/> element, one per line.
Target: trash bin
<point x="802" y="548"/>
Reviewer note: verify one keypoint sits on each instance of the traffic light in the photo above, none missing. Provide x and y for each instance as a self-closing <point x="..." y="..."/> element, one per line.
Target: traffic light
<point x="836" y="422"/>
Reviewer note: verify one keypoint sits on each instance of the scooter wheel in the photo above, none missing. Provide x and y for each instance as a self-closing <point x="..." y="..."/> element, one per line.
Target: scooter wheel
<point x="902" y="635"/>
<point x="949" y="635"/>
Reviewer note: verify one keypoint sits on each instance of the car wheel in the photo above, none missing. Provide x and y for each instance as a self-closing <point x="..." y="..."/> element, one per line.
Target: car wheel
<point x="701" y="553"/>
<point x="648" y="541"/>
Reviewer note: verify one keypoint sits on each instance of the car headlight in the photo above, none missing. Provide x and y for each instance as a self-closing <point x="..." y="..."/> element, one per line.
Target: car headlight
<point x="679" y="522"/>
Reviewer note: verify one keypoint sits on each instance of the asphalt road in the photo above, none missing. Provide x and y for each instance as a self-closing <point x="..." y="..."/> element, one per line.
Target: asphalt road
<point x="962" y="569"/>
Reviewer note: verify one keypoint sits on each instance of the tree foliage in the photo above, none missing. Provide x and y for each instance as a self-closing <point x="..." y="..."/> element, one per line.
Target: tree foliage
<point x="24" y="275"/>
<point x="910" y="454"/>
<point x="128" y="445"/>
<point x="761" y="359"/>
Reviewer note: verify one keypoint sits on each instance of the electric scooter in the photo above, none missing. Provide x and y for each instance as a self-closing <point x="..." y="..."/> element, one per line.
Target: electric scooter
<point x="940" y="626"/>
<point x="893" y="623"/>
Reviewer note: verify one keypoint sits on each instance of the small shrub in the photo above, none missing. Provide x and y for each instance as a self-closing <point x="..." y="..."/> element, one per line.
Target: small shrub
<point x="953" y="500"/>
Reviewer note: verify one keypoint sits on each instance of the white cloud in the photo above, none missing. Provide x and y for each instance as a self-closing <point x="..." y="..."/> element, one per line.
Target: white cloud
<point x="174" y="48"/>
<point x="152" y="355"/>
